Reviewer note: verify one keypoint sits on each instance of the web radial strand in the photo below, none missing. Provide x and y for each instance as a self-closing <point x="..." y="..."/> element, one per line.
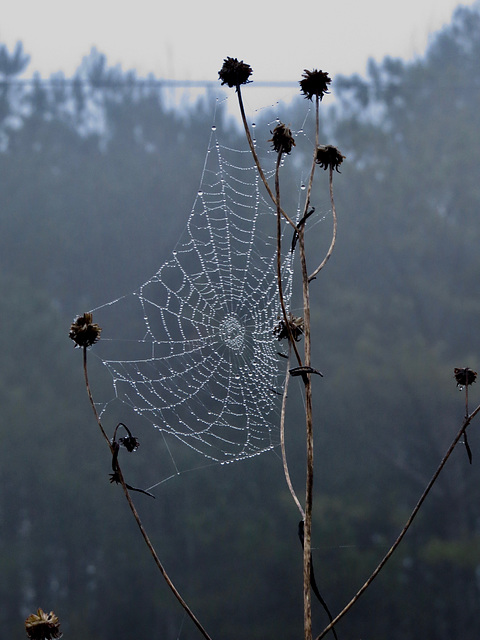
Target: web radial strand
<point x="204" y="365"/>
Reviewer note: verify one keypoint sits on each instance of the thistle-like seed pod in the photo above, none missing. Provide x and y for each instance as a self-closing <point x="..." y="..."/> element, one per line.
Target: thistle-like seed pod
<point x="328" y="157"/>
<point x="42" y="626"/>
<point x="234" y="72"/>
<point x="464" y="377"/>
<point x="282" y="140"/>
<point x="84" y="332"/>
<point x="314" y="83"/>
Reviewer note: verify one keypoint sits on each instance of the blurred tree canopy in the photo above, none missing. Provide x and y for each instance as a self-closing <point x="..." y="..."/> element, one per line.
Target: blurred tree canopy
<point x="98" y="176"/>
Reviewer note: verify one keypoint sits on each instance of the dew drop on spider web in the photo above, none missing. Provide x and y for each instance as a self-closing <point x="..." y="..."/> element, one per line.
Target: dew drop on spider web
<point x="194" y="355"/>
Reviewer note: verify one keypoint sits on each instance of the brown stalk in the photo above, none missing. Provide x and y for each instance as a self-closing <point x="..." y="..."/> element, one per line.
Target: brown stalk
<point x="256" y="159"/>
<point x="392" y="549"/>
<point x="334" y="234"/>
<point x="291" y="340"/>
<point x="133" y="509"/>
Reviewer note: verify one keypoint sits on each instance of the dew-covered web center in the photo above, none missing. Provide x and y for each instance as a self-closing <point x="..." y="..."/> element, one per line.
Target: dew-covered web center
<point x="195" y="354"/>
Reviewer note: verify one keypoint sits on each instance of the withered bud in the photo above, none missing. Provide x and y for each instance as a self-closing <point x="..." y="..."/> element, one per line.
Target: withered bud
<point x="314" y="83"/>
<point x="130" y="443"/>
<point x="465" y="376"/>
<point x="328" y="157"/>
<point x="293" y="327"/>
<point x="84" y="332"/>
<point x="282" y="140"/>
<point x="234" y="72"/>
<point x="42" y="626"/>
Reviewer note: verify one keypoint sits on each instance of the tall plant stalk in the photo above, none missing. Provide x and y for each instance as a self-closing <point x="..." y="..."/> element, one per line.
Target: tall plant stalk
<point x="235" y="74"/>
<point x="85" y="334"/>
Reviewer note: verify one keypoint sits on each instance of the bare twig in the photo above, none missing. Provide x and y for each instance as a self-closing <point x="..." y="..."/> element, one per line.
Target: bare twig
<point x="392" y="549"/>
<point x="256" y="158"/>
<point x="121" y="480"/>
<point x="334" y="233"/>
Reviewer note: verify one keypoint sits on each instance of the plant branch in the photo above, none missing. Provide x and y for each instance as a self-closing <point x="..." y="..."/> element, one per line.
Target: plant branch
<point x="334" y="234"/>
<point x="392" y="549"/>
<point x="256" y="158"/>
<point x="121" y="480"/>
<point x="291" y="339"/>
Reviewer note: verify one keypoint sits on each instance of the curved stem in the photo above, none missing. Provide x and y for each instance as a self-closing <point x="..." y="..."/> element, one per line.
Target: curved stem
<point x="312" y="170"/>
<point x="90" y="397"/>
<point x="135" y="512"/>
<point x="256" y="159"/>
<point x="282" y="443"/>
<point x="334" y="234"/>
<point x="291" y="339"/>
<point x="392" y="549"/>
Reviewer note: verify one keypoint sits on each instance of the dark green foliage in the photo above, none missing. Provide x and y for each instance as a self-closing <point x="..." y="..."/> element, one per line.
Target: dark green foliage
<point x="90" y="208"/>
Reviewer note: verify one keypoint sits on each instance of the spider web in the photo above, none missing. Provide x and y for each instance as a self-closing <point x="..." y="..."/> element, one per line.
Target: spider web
<point x="193" y="349"/>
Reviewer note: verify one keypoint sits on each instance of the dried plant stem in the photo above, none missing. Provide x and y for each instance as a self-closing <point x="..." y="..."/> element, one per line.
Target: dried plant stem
<point x="307" y="548"/>
<point x="133" y="509"/>
<point x="392" y="549"/>
<point x="291" y="339"/>
<point x="282" y="444"/>
<point x="307" y="545"/>
<point x="256" y="159"/>
<point x="334" y="234"/>
<point x="90" y="397"/>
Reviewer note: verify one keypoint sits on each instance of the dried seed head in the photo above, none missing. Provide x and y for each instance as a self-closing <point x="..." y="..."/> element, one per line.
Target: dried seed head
<point x="234" y="72"/>
<point x="130" y="443"/>
<point x="84" y="332"/>
<point x="314" y="83"/>
<point x="293" y="327"/>
<point x="464" y="377"/>
<point x="42" y="626"/>
<point x="329" y="156"/>
<point x="282" y="140"/>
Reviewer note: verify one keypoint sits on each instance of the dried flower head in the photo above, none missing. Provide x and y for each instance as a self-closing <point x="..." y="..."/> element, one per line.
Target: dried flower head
<point x="282" y="140"/>
<point x="84" y="332"/>
<point x="314" y="83"/>
<point x="328" y="157"/>
<point x="234" y="72"/>
<point x="130" y="443"/>
<point x="464" y="377"/>
<point x="42" y="626"/>
<point x="294" y="326"/>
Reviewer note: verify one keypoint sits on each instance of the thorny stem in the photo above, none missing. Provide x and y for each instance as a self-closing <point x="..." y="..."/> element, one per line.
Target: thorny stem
<point x="392" y="549"/>
<point x="135" y="512"/>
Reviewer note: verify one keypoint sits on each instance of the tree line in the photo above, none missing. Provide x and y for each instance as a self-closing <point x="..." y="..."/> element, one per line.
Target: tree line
<point x="98" y="177"/>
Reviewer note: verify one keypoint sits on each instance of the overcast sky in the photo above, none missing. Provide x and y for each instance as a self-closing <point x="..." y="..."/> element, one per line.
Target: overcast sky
<point x="188" y="39"/>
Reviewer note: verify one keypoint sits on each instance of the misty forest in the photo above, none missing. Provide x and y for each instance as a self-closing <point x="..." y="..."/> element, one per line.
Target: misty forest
<point x="99" y="174"/>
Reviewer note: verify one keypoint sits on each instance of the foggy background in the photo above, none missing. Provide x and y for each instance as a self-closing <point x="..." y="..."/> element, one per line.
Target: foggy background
<point x="98" y="176"/>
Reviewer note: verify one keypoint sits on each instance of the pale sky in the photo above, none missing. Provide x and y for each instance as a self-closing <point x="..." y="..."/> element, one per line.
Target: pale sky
<point x="188" y="39"/>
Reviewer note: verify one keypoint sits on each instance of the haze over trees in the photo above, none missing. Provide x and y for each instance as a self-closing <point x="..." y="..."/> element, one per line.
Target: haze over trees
<point x="98" y="177"/>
